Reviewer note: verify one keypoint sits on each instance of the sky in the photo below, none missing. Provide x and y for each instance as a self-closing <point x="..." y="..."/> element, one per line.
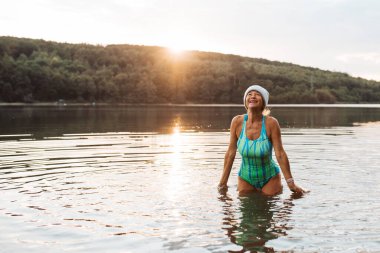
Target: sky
<point x="335" y="35"/>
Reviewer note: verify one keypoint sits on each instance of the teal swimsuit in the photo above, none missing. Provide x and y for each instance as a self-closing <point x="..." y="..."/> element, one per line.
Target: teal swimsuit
<point x="257" y="166"/>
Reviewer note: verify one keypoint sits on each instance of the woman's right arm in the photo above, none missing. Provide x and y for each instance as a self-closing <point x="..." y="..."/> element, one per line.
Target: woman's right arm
<point x="229" y="157"/>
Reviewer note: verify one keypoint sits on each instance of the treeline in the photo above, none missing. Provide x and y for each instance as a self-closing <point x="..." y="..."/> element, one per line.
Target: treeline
<point x="42" y="71"/>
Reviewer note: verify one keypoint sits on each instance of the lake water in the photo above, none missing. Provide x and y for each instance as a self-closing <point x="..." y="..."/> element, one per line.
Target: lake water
<point x="143" y="179"/>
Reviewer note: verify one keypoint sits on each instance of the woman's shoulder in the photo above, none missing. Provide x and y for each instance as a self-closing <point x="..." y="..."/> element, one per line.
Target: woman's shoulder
<point x="238" y="119"/>
<point x="272" y="121"/>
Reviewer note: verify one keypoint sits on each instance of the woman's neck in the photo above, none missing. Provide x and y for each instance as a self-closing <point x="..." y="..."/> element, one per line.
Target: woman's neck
<point x="254" y="115"/>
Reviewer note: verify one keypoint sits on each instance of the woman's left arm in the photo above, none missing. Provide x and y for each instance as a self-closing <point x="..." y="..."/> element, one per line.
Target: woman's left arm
<point x="281" y="156"/>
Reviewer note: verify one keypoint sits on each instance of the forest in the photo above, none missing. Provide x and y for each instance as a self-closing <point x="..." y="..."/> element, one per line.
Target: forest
<point x="34" y="71"/>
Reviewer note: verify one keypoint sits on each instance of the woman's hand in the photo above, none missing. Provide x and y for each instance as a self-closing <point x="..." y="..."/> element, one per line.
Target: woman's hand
<point x="296" y="189"/>
<point x="222" y="188"/>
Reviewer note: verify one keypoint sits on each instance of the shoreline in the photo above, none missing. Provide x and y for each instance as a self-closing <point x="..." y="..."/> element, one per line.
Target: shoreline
<point x="104" y="104"/>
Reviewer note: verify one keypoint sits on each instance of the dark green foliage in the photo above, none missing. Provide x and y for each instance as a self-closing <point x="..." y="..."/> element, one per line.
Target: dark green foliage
<point x="37" y="70"/>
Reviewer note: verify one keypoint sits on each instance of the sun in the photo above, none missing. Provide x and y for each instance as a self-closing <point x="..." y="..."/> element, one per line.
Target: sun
<point x="176" y="50"/>
<point x="178" y="45"/>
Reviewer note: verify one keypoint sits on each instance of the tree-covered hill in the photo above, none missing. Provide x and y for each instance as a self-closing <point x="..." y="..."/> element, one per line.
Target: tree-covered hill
<point x="41" y="71"/>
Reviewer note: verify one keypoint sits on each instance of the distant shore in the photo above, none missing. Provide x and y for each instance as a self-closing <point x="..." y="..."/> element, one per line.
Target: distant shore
<point x="87" y="104"/>
<point x="35" y="71"/>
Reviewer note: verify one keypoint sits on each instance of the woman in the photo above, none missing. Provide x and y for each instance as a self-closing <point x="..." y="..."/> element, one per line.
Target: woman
<point x="254" y="135"/>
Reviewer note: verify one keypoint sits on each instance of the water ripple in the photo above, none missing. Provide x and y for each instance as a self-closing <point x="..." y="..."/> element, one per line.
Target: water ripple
<point x="131" y="190"/>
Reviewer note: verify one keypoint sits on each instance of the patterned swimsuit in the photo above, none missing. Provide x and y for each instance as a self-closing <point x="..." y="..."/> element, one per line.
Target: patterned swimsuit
<point x="257" y="166"/>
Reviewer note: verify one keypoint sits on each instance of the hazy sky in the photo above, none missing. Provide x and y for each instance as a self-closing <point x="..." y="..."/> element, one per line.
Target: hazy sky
<point x="337" y="35"/>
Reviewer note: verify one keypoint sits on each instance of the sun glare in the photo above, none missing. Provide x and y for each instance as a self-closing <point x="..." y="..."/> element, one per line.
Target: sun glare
<point x="176" y="179"/>
<point x="176" y="131"/>
<point x="174" y="50"/>
<point x="178" y="45"/>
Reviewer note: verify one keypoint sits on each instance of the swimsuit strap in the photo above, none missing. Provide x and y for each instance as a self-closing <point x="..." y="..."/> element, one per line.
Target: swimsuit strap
<point x="242" y="133"/>
<point x="263" y="133"/>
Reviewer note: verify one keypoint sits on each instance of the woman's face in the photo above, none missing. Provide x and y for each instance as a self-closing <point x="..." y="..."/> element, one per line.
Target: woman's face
<point x="254" y="100"/>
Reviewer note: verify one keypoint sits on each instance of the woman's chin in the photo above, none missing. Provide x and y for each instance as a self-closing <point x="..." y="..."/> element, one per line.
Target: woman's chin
<point x="254" y="107"/>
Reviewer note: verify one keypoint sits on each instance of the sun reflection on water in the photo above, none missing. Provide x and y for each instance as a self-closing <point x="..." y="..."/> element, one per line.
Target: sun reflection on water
<point x="176" y="174"/>
<point x="176" y="143"/>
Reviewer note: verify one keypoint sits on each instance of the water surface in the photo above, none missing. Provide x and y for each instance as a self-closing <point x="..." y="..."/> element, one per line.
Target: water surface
<point x="143" y="179"/>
